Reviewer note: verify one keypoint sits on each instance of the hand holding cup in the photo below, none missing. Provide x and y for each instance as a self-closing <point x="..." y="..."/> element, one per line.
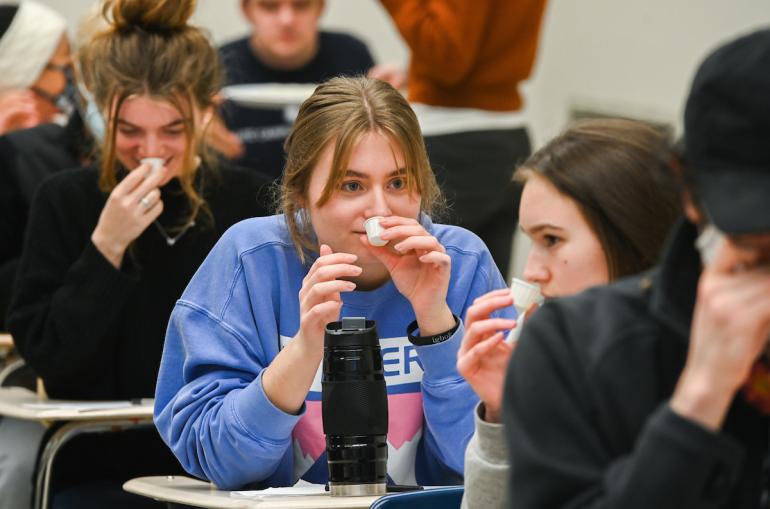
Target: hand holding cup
<point x="131" y="207"/>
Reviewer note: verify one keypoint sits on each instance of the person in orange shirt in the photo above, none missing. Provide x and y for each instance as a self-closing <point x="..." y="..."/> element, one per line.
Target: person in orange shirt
<point x="467" y="61"/>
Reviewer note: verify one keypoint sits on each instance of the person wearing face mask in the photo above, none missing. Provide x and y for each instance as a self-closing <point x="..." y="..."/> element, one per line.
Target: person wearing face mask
<point x="238" y="396"/>
<point x="109" y="248"/>
<point x="583" y="234"/>
<point x="652" y="391"/>
<point x="34" y="59"/>
<point x="39" y="130"/>
<point x="43" y="134"/>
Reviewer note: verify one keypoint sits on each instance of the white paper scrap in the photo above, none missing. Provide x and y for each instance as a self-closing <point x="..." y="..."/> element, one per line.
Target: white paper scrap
<point x="301" y="489"/>
<point x="79" y="406"/>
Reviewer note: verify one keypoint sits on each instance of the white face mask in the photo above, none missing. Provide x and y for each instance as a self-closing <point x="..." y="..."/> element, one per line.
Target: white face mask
<point x="92" y="116"/>
<point x="708" y="242"/>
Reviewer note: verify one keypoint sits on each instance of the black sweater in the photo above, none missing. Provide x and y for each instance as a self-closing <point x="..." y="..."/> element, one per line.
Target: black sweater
<point x="92" y="331"/>
<point x="28" y="157"/>
<point x="586" y="403"/>
<point x="263" y="130"/>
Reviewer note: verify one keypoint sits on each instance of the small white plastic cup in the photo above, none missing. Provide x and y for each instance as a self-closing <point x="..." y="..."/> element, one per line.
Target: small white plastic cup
<point x="524" y="295"/>
<point x="156" y="163"/>
<point x="374" y="230"/>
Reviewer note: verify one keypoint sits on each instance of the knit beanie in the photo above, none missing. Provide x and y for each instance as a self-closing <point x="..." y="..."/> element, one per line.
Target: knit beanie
<point x="29" y="35"/>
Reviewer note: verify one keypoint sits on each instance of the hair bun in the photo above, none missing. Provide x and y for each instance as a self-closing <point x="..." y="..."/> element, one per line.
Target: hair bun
<point x="150" y="15"/>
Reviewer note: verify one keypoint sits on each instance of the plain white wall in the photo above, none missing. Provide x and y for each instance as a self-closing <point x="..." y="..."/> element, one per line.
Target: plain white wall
<point x="619" y="56"/>
<point x="614" y="56"/>
<point x="622" y="57"/>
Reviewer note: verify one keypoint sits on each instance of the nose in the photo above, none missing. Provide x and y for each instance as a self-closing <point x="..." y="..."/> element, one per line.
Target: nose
<point x="286" y="15"/>
<point x="536" y="271"/>
<point x="377" y="204"/>
<point x="150" y="146"/>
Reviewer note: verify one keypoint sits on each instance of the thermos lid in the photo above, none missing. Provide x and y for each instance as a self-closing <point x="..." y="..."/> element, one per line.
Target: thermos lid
<point x="351" y="331"/>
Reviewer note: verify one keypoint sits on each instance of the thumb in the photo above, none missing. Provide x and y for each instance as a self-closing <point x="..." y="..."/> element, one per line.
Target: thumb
<point x="325" y="250"/>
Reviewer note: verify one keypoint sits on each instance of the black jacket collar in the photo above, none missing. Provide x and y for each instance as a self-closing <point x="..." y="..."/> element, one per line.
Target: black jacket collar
<point x="675" y="283"/>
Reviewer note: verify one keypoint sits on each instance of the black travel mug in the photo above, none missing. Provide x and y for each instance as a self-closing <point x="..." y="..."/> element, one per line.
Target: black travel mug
<point x="354" y="408"/>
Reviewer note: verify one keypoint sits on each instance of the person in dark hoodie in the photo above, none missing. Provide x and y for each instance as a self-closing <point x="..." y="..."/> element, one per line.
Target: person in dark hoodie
<point x="652" y="392"/>
<point x="34" y="60"/>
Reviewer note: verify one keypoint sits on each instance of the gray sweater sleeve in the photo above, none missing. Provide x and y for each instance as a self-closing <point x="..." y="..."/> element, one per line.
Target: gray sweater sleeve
<point x="486" y="466"/>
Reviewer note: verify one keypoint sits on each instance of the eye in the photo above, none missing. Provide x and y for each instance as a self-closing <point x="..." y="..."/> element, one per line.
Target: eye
<point x="268" y="5"/>
<point x="351" y="186"/>
<point x="174" y="132"/>
<point x="398" y="183"/>
<point x="551" y="240"/>
<point x="128" y="131"/>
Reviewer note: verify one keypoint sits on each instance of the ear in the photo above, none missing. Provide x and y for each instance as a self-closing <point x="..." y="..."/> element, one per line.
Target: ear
<point x="691" y="210"/>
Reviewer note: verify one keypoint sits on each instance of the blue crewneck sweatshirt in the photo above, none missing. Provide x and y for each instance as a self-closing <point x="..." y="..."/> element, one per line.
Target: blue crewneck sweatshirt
<point x="242" y="307"/>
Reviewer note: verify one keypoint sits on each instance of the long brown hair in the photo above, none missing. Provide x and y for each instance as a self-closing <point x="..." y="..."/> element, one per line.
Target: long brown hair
<point x="150" y="49"/>
<point x="618" y="173"/>
<point x="341" y="111"/>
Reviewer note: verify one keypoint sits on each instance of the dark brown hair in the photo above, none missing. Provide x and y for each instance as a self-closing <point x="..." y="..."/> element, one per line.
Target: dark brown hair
<point x="150" y="49"/>
<point x="618" y="173"/>
<point x="341" y="111"/>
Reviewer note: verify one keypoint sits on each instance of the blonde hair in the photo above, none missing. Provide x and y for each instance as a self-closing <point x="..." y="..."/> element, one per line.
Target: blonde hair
<point x="342" y="110"/>
<point x="149" y="49"/>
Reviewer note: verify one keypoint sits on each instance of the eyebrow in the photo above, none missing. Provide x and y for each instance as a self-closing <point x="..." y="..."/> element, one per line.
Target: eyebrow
<point x="175" y="123"/>
<point x="540" y="227"/>
<point x="358" y="174"/>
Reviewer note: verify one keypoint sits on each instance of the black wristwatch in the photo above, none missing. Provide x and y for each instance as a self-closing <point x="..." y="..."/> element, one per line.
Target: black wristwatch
<point x="430" y="340"/>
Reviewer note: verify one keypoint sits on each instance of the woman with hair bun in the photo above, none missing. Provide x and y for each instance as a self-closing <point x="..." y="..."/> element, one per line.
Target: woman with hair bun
<point x="108" y="252"/>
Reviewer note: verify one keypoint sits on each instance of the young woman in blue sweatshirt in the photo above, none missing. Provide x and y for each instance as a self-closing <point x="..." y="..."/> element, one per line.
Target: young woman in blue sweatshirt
<point x="238" y="394"/>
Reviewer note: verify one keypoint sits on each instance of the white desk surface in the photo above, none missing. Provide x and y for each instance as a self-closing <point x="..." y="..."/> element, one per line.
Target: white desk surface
<point x="269" y="95"/>
<point x="184" y="490"/>
<point x="24" y="404"/>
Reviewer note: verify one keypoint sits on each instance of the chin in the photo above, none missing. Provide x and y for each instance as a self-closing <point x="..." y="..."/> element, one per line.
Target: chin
<point x="364" y="256"/>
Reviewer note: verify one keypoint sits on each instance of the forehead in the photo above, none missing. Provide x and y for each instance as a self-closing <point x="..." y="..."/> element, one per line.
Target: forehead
<point x="370" y="154"/>
<point x="375" y="152"/>
<point x="297" y="4"/>
<point x="752" y="242"/>
<point x="144" y="110"/>
<point x="541" y="203"/>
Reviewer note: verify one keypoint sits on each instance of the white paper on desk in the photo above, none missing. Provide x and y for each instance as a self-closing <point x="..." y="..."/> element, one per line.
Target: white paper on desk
<point x="301" y="489"/>
<point x="79" y="406"/>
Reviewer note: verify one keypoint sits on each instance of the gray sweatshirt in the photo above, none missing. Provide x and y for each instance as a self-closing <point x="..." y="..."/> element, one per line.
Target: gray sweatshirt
<point x="486" y="466"/>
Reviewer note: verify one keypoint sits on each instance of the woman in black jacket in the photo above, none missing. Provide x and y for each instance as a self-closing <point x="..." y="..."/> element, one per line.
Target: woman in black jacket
<point x="108" y="252"/>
